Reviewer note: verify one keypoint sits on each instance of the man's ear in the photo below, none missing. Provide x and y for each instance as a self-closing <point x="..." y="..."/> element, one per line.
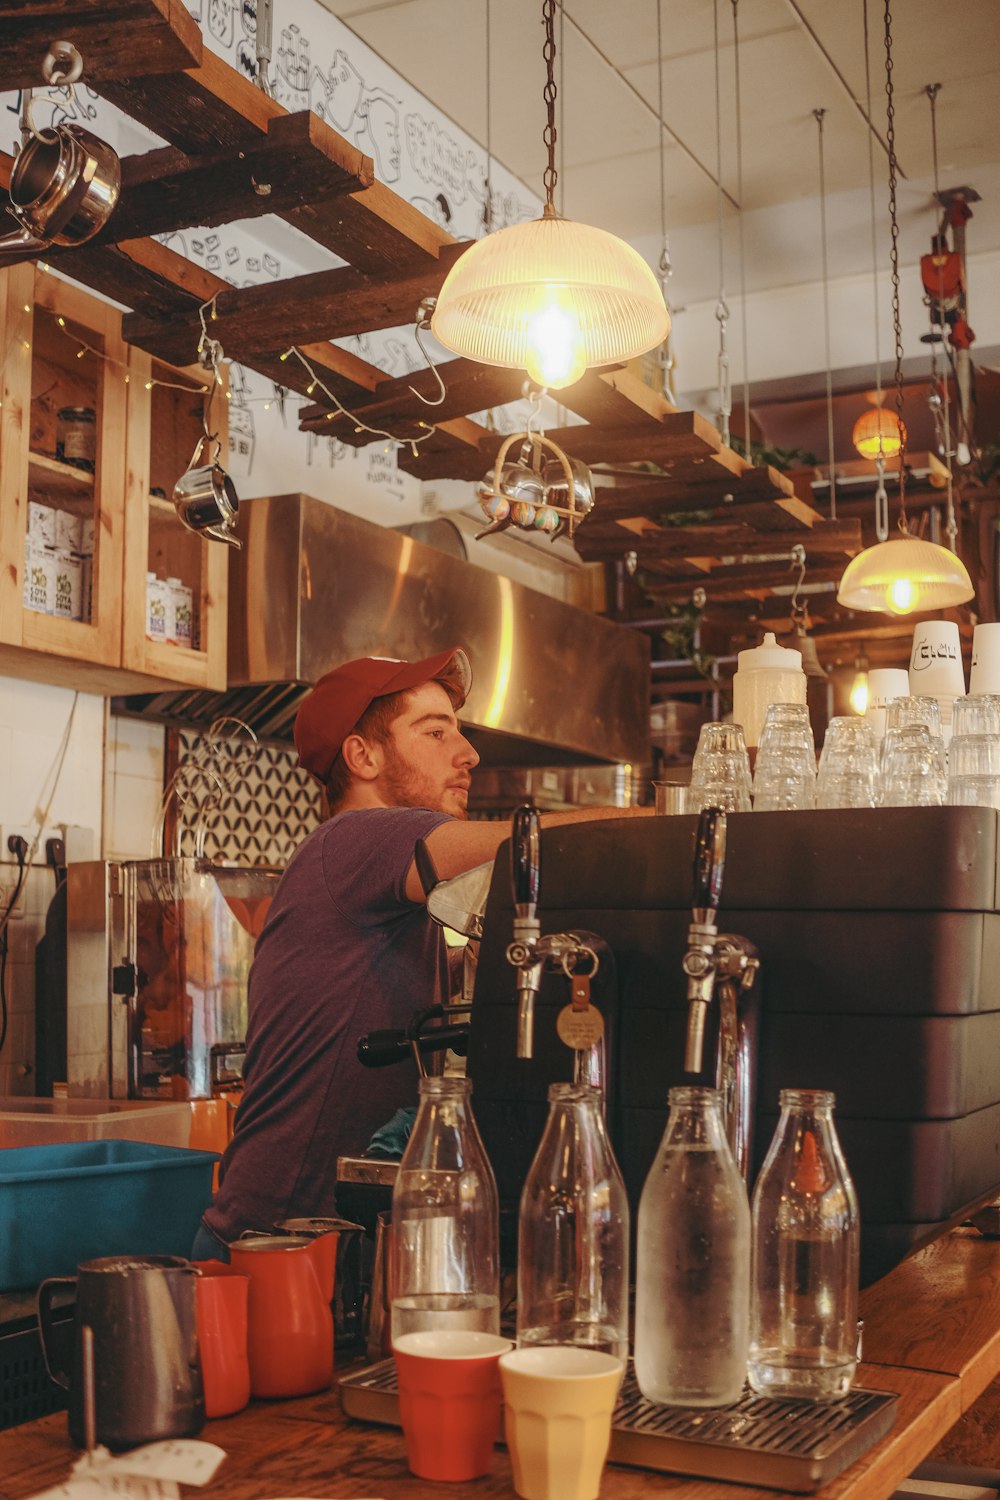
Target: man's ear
<point x="361" y="758"/>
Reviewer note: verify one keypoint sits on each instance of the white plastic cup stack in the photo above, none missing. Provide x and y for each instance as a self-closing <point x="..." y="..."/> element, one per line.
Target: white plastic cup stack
<point x="985" y="674"/>
<point x="936" y="669"/>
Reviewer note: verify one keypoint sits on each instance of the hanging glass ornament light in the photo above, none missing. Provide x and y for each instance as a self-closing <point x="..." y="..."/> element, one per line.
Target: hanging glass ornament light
<point x="878" y="431"/>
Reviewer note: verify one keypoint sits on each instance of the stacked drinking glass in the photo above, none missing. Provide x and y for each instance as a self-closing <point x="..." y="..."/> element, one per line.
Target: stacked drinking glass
<point x="974" y="752"/>
<point x="848" y="771"/>
<point x="913" y="766"/>
<point x="720" y="771"/>
<point x="785" y="774"/>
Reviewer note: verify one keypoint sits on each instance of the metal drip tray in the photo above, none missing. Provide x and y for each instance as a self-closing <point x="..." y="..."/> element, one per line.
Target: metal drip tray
<point x="782" y="1445"/>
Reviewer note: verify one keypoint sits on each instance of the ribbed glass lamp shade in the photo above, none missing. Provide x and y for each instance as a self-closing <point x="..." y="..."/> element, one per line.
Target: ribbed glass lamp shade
<point x="876" y="431"/>
<point x="903" y="575"/>
<point x="552" y="297"/>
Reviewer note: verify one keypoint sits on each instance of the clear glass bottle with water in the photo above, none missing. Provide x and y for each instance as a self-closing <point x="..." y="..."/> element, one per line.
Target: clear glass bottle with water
<point x="573" y="1231"/>
<point x="804" y="1259"/>
<point x="445" y="1233"/>
<point x="692" y="1287"/>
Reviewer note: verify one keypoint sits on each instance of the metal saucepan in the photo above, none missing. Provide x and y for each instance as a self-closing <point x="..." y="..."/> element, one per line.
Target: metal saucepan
<point x="63" y="187"/>
<point x="206" y="501"/>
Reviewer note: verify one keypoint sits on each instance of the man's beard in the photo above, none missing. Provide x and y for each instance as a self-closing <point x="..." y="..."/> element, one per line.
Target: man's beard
<point x="405" y="787"/>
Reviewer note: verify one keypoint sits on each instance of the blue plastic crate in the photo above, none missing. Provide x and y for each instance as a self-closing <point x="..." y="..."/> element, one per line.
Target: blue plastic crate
<point x="60" y="1205"/>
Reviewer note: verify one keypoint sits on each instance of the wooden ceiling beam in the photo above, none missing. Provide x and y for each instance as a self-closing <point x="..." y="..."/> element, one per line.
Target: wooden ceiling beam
<point x="614" y="397"/>
<point x="213" y="107"/>
<point x="114" y="37"/>
<point x="321" y="305"/>
<point x="828" y="538"/>
<point x="469" y="387"/>
<point x="727" y="584"/>
<point x="452" y="452"/>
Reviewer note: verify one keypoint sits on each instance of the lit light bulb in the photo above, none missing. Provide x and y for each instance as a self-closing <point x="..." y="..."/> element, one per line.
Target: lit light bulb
<point x="859" y="692"/>
<point x="555" y="354"/>
<point x="901" y="596"/>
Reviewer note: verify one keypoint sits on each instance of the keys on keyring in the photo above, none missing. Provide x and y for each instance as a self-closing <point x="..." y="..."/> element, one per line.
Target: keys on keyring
<point x="580" y="1025"/>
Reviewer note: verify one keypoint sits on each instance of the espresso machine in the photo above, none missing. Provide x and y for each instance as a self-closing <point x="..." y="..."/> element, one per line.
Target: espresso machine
<point x="158" y="956"/>
<point x="878" y="932"/>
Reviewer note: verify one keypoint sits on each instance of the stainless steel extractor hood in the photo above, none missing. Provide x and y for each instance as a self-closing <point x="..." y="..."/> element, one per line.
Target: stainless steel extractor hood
<point x="315" y="585"/>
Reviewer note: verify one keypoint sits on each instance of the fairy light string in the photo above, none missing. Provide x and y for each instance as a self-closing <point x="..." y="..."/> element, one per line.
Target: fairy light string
<point x="340" y="410"/>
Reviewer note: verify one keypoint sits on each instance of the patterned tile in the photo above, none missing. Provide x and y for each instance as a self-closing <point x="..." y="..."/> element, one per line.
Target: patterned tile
<point x="266" y="809"/>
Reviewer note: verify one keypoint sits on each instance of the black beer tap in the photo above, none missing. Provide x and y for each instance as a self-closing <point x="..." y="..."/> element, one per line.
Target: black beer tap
<point x="573" y="954"/>
<point x="699" y="960"/>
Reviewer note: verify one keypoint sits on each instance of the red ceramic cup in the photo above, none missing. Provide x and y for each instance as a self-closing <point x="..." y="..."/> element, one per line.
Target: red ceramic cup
<point x="221" y="1318"/>
<point x="449" y="1401"/>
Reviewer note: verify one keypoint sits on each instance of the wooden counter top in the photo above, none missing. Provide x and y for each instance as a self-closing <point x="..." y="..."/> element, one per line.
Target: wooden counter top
<point x="932" y="1334"/>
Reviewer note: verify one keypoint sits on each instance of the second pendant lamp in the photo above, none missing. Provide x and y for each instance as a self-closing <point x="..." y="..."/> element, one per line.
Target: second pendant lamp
<point x="551" y="296"/>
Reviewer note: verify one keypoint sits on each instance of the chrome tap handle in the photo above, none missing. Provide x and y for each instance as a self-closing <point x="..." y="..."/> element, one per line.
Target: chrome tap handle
<point x="522" y="952"/>
<point x="699" y="960"/>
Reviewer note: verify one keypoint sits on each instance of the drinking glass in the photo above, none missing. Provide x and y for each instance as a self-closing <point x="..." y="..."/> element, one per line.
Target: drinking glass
<point x="974" y="771"/>
<point x="917" y="710"/>
<point x="786" y="725"/>
<point x="720" y="772"/>
<point x="785" y="774"/>
<point x="979" y="714"/>
<point x="847" y="769"/>
<point x="912" y="775"/>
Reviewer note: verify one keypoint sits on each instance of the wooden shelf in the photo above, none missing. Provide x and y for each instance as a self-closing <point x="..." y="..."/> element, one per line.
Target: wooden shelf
<point x="62" y="478"/>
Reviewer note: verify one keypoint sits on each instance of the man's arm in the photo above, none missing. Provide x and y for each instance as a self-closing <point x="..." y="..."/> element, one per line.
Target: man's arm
<point x="456" y="846"/>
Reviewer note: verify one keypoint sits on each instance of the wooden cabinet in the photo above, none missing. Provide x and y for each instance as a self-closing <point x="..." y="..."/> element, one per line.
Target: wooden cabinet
<point x="90" y="446"/>
<point x="164" y="423"/>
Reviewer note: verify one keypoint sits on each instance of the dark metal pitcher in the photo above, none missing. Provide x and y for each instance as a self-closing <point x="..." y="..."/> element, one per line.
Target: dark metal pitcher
<point x="147" y="1375"/>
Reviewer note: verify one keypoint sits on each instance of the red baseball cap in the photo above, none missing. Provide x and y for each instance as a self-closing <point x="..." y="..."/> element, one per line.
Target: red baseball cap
<point x="340" y="697"/>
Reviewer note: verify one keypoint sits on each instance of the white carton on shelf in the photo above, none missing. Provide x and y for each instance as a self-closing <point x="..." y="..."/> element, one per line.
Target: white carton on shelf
<point x="41" y="524"/>
<point x="68" y="585"/>
<point x="86" y="535"/>
<point x="183" y="601"/>
<point x="39" y="577"/>
<point x="159" y="608"/>
<point x="67" y="531"/>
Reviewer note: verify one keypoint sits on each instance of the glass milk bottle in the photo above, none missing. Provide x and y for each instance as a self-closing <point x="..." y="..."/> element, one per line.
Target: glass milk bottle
<point x="804" y="1296"/>
<point x="573" y="1231"/>
<point x="693" y="1274"/>
<point x="445" y="1232"/>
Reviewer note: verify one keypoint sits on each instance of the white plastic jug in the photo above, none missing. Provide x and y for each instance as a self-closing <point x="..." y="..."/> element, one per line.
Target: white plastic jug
<point x="765" y="674"/>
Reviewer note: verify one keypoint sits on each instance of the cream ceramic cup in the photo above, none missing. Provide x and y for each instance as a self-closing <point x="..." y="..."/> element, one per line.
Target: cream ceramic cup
<point x="558" y="1402"/>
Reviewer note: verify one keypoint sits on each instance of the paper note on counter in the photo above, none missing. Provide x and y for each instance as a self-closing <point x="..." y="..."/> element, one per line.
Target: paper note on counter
<point x="154" y="1472"/>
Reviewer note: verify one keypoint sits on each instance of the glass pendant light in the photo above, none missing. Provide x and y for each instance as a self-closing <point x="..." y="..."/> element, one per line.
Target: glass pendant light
<point x="858" y="695"/>
<point x="878" y="431"/>
<point x="905" y="573"/>
<point x="552" y="297"/>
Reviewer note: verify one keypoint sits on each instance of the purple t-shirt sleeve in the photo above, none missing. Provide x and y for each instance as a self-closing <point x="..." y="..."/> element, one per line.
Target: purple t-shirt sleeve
<point x="343" y="952"/>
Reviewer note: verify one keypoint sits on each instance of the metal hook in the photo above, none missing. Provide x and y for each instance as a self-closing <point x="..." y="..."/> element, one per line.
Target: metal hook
<point x="881" y="502"/>
<point x="798" y="560"/>
<point x="422" y="325"/>
<point x="533" y="395"/>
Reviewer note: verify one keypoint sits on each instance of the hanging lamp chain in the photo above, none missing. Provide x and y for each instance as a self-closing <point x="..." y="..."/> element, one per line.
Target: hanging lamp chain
<point x="549" y="94"/>
<point x="664" y="353"/>
<point x="721" y="307"/>
<point x="890" y="136"/>
<point x="939" y="398"/>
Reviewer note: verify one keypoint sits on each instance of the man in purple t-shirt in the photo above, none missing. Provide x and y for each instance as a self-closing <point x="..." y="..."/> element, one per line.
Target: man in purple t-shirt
<point x="348" y="946"/>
